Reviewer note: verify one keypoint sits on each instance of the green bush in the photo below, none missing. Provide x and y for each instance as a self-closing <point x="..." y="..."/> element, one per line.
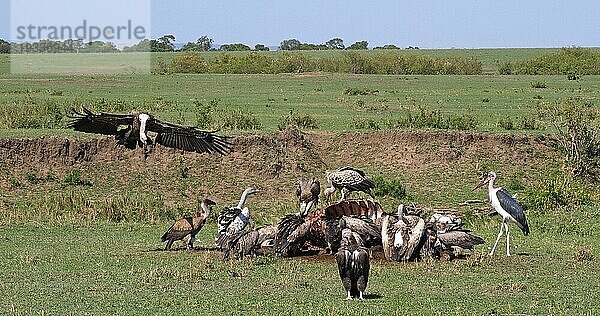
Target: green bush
<point x="424" y="118"/>
<point x="235" y="120"/>
<point x="300" y="120"/>
<point x="366" y="123"/>
<point x="558" y="192"/>
<point x="357" y="91"/>
<point x="74" y="178"/>
<point x="389" y="187"/>
<point x="577" y="124"/>
<point x="573" y="60"/>
<point x="506" y="123"/>
<point x="293" y="62"/>
<point x="189" y="63"/>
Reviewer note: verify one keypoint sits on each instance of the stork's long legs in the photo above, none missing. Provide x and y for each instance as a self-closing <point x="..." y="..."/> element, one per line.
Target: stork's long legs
<point x="497" y="239"/>
<point x="349" y="296"/>
<point x="507" y="239"/>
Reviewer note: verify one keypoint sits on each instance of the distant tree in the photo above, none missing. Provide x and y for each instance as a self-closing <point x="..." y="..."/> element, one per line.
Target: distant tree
<point x="290" y="44"/>
<point x="388" y="46"/>
<point x="4" y="47"/>
<point x="204" y="43"/>
<point x="359" y="45"/>
<point x="99" y="47"/>
<point x="164" y="44"/>
<point x="142" y="46"/>
<point x="234" y="47"/>
<point x="412" y="47"/>
<point x="335" y="43"/>
<point x="189" y="47"/>
<point x="261" y="47"/>
<point x="307" y="46"/>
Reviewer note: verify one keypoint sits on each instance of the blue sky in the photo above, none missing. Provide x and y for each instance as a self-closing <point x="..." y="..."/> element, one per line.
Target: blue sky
<point x="423" y="23"/>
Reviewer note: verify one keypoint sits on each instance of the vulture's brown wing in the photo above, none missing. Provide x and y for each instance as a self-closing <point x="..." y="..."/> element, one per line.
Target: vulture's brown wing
<point x="188" y="138"/>
<point x="98" y="123"/>
<point x="178" y="230"/>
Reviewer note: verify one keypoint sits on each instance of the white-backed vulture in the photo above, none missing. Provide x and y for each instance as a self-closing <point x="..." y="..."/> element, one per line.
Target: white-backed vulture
<point x="353" y="266"/>
<point x="348" y="179"/>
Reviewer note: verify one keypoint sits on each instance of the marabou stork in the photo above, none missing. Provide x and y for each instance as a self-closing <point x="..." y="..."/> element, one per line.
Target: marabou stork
<point x="348" y="179"/>
<point x="232" y="220"/>
<point x="308" y="192"/>
<point x="187" y="226"/>
<point x="505" y="204"/>
<point x="136" y="126"/>
<point x="353" y="265"/>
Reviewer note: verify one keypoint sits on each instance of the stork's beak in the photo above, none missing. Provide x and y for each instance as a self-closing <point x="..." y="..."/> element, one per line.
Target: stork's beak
<point x="482" y="182"/>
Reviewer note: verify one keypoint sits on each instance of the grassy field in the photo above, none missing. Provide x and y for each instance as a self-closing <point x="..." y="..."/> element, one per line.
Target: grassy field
<point x="270" y="98"/>
<point x="80" y="230"/>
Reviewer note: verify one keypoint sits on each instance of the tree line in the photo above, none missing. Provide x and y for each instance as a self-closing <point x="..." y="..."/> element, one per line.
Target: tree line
<point x="167" y="43"/>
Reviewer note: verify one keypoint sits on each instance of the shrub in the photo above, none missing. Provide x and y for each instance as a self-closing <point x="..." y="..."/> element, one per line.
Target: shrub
<point x="366" y="123"/>
<point x="299" y="120"/>
<point x="389" y="187"/>
<point x="506" y="123"/>
<point x="189" y="63"/>
<point x="292" y="63"/>
<point x="557" y="192"/>
<point x="74" y="178"/>
<point x="236" y="120"/>
<point x="357" y="91"/>
<point x="573" y="60"/>
<point x="577" y="124"/>
<point x="424" y="118"/>
<point x="538" y="85"/>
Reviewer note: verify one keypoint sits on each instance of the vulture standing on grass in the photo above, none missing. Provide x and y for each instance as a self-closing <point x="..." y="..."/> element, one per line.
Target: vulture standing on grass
<point x="402" y="235"/>
<point x="247" y="243"/>
<point x="507" y="206"/>
<point x="187" y="226"/>
<point x="233" y="220"/>
<point x="348" y="179"/>
<point x="131" y="130"/>
<point x="353" y="265"/>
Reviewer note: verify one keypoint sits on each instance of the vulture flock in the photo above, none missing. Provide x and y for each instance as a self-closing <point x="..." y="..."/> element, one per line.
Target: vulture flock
<point x="350" y="230"/>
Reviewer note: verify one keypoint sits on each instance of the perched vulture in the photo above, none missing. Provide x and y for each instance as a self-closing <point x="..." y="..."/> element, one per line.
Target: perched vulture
<point x="187" y="226"/>
<point x="308" y="195"/>
<point x="353" y="266"/>
<point x="446" y="236"/>
<point x="246" y="243"/>
<point x="360" y="226"/>
<point x="348" y="179"/>
<point x="131" y="130"/>
<point x="233" y="220"/>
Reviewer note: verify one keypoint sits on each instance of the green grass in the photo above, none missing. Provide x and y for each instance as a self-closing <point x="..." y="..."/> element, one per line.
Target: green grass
<point x="271" y="97"/>
<point x="107" y="269"/>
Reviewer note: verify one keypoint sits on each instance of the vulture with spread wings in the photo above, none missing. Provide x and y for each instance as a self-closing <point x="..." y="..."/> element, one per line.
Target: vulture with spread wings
<point x="131" y="130"/>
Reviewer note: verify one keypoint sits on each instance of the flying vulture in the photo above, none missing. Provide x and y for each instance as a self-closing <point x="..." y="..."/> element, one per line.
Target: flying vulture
<point x="187" y="226"/>
<point x="131" y="130"/>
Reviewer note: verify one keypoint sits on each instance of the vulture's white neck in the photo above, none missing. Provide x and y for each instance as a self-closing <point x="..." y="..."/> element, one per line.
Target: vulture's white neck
<point x="143" y="119"/>
<point x="243" y="198"/>
<point x="205" y="209"/>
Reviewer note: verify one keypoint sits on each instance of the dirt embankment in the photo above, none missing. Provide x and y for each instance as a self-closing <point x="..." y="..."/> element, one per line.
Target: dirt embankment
<point x="294" y="151"/>
<point x="272" y="162"/>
